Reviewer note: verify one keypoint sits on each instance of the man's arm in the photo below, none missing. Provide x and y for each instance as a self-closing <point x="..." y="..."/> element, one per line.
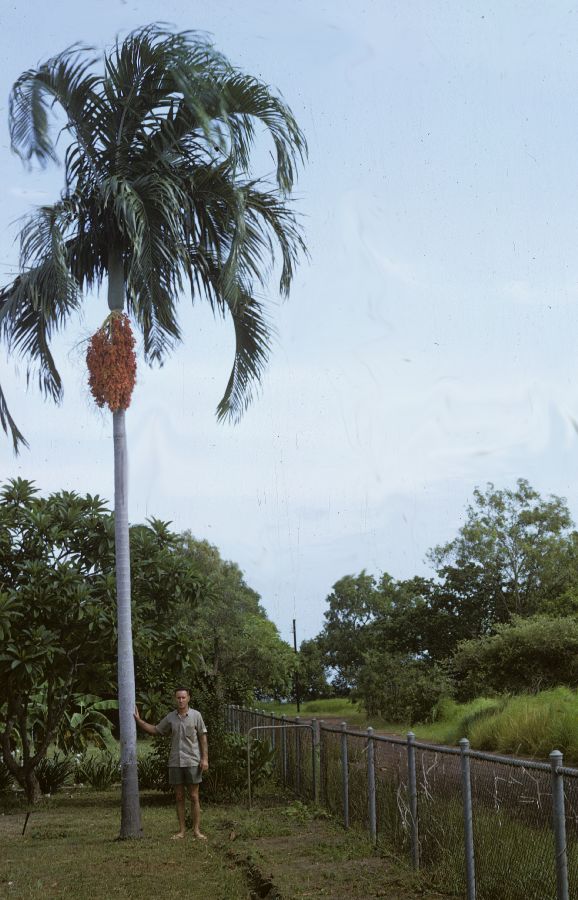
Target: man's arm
<point x="204" y="745"/>
<point x="150" y="729"/>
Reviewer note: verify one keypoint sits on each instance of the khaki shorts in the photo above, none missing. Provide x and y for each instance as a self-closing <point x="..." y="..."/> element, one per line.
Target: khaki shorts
<point x="185" y="775"/>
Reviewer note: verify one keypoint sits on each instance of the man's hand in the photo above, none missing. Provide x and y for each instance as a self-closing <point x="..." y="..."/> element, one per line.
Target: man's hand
<point x="204" y="765"/>
<point x="136" y="714"/>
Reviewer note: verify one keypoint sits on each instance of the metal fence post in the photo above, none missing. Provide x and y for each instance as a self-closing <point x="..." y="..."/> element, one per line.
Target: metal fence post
<point x="298" y="756"/>
<point x="320" y="762"/>
<point x="468" y="826"/>
<point x="272" y="720"/>
<point x="344" y="775"/>
<point x="284" y="748"/>
<point x="371" y="785"/>
<point x="412" y="790"/>
<point x="559" y="825"/>
<point x="314" y="754"/>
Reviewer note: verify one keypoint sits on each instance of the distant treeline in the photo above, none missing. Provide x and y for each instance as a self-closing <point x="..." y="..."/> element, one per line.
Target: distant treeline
<point x="500" y="615"/>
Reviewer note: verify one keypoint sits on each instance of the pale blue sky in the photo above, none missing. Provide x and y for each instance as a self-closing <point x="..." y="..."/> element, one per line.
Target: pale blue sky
<point x="428" y="347"/>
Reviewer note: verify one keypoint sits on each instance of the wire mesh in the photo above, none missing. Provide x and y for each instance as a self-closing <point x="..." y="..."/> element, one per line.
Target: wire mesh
<point x="440" y="818"/>
<point x="391" y="781"/>
<point x="514" y="846"/>
<point x="571" y="801"/>
<point x="331" y="789"/>
<point x="358" y="797"/>
<point x="513" y="836"/>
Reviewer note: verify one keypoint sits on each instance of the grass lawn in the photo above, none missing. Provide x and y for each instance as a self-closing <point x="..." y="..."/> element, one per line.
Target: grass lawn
<point x="279" y="849"/>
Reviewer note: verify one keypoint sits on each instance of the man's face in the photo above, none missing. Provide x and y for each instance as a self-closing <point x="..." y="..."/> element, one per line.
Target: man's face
<point x="182" y="700"/>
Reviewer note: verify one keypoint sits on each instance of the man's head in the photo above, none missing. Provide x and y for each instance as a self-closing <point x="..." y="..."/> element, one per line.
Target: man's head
<point x="182" y="698"/>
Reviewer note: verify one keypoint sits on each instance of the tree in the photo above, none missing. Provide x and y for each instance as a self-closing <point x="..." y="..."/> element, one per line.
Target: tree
<point x="52" y="622"/>
<point x="354" y="604"/>
<point x="158" y="192"/>
<point x="511" y="557"/>
<point x="242" y="655"/>
<point x="57" y="621"/>
<point x="313" y="683"/>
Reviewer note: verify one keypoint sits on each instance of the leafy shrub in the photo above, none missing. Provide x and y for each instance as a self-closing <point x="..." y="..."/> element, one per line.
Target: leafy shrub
<point x="99" y="770"/>
<point x="526" y="655"/>
<point x="53" y="771"/>
<point x="226" y="778"/>
<point x="153" y="773"/>
<point x="6" y="780"/>
<point x="401" y="689"/>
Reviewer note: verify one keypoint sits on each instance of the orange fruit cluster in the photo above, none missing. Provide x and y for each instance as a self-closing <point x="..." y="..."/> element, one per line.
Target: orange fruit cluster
<point x="111" y="362"/>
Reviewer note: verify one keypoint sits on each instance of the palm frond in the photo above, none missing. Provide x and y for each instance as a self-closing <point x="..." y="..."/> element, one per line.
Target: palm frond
<point x="64" y="78"/>
<point x="40" y="301"/>
<point x="252" y="346"/>
<point x="9" y="426"/>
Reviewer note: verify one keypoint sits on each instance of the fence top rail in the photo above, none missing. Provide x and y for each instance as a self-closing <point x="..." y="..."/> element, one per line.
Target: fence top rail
<point x="421" y="745"/>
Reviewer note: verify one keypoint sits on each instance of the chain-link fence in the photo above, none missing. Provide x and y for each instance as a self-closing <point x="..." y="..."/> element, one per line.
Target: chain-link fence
<point x="483" y="826"/>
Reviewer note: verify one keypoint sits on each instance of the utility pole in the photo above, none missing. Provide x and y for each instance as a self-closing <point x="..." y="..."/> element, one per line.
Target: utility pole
<point x="297" y="698"/>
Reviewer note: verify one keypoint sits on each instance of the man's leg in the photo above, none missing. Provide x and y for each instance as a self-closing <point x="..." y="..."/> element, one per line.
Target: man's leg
<point x="180" y="800"/>
<point x="196" y="811"/>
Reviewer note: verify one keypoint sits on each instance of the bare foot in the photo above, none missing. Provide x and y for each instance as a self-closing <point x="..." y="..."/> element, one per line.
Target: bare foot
<point x="178" y="836"/>
<point x="199" y="836"/>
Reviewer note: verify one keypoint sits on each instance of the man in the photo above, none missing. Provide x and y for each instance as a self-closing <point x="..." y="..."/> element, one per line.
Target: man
<point x="189" y="756"/>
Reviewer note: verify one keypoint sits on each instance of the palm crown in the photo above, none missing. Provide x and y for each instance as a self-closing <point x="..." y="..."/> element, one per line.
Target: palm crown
<point x="157" y="186"/>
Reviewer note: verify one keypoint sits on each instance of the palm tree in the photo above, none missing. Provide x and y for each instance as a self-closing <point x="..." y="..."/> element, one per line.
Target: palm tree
<point x="158" y="193"/>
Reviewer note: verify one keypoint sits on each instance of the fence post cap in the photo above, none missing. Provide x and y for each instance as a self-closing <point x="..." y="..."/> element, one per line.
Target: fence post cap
<point x="369" y="730"/>
<point x="556" y="757"/>
<point x="343" y="726"/>
<point x="410" y="737"/>
<point x="464" y="744"/>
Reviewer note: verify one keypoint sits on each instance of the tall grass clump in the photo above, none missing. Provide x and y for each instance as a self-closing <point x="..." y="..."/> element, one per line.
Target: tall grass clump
<point x="532" y="725"/>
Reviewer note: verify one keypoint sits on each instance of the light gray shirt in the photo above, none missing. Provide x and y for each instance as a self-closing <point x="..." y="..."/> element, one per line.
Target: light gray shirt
<point x="185" y="730"/>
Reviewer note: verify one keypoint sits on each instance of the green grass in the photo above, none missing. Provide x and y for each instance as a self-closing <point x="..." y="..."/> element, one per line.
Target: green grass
<point x="525" y="724"/>
<point x="69" y="850"/>
<point x="336" y="708"/>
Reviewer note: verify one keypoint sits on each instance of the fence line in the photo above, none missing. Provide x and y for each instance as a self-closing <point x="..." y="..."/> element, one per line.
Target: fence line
<point x="484" y="826"/>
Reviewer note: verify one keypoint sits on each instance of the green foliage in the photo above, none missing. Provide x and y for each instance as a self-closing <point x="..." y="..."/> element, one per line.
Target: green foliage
<point x="312" y="671"/>
<point x="352" y="605"/>
<point x="6" y="780"/>
<point x="85" y="723"/>
<point x="175" y="201"/>
<point x="99" y="769"/>
<point x="401" y="689"/>
<point x="153" y="773"/>
<point x="226" y="779"/>
<point x="525" y="655"/>
<point x="241" y="656"/>
<point x="54" y="771"/>
<point x="58" y="621"/>
<point x="514" y="555"/>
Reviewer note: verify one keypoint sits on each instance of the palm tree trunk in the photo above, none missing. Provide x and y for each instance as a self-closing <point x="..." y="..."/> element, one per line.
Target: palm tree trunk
<point x="130" y="824"/>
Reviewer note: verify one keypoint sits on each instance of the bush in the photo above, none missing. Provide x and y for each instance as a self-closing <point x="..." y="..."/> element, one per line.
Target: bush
<point x="53" y="771"/>
<point x="99" y="770"/>
<point x="401" y="689"/>
<point x="526" y="655"/>
<point x="153" y="773"/>
<point x="226" y="778"/>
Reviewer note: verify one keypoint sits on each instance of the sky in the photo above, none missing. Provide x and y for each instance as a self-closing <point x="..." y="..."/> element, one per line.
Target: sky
<point x="430" y="342"/>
